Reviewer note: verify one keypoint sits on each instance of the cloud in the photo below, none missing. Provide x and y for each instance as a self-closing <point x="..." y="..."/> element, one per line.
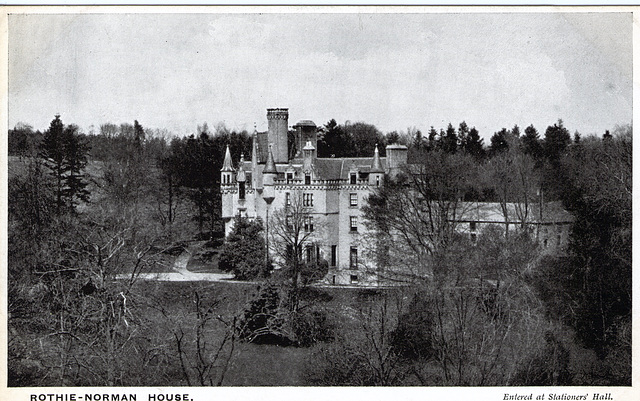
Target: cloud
<point x="392" y="70"/>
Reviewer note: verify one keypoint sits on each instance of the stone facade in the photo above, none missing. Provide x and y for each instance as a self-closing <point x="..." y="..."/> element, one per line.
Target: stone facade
<point x="335" y="189"/>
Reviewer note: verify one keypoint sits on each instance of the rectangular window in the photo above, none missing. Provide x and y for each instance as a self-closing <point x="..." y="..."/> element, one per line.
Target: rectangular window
<point x="249" y="181"/>
<point x="377" y="180"/>
<point x="307" y="199"/>
<point x="309" y="251"/>
<point x="472" y="226"/>
<point x="353" y="199"/>
<point x="353" y="258"/>
<point x="353" y="223"/>
<point x="289" y="178"/>
<point x="354" y="278"/>
<point x="334" y="255"/>
<point x="241" y="190"/>
<point x="287" y="199"/>
<point x="353" y="178"/>
<point x="308" y="224"/>
<point x="474" y="238"/>
<point x="307" y="179"/>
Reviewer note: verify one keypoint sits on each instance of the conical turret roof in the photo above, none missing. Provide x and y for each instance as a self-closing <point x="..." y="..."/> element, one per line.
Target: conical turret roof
<point x="271" y="165"/>
<point x="376" y="166"/>
<point x="226" y="165"/>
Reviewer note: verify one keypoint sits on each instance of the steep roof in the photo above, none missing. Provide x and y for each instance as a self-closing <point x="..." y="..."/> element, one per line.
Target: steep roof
<point x="226" y="164"/>
<point x="270" y="166"/>
<point x="376" y="166"/>
<point x="263" y="146"/>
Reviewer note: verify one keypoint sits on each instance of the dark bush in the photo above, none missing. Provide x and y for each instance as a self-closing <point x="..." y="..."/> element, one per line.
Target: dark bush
<point x="412" y="338"/>
<point x="259" y="320"/>
<point x="311" y="327"/>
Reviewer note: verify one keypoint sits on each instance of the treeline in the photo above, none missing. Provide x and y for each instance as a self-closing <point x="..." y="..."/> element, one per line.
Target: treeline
<point x="85" y="208"/>
<point x="477" y="301"/>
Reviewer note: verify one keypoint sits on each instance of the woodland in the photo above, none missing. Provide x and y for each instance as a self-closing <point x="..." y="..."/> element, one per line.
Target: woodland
<point x="89" y="212"/>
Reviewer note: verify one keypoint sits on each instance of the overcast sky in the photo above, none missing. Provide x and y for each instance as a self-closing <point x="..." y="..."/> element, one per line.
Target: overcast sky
<point x="396" y="71"/>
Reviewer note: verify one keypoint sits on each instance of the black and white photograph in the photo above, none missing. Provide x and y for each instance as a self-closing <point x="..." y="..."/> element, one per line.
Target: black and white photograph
<point x="319" y="197"/>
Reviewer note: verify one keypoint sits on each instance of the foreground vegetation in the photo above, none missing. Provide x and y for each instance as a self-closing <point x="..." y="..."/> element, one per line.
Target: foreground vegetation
<point x="84" y="209"/>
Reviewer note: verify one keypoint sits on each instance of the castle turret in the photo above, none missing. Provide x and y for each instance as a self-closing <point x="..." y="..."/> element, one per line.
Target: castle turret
<point x="268" y="177"/>
<point x="396" y="158"/>
<point x="256" y="176"/>
<point x="306" y="131"/>
<point x="277" y="135"/>
<point x="376" y="174"/>
<point x="226" y="174"/>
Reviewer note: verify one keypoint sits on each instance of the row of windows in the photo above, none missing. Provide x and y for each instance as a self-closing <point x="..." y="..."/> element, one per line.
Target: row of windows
<point x="307" y="199"/>
<point x="227" y="179"/>
<point x="353" y="255"/>
<point x="353" y="179"/>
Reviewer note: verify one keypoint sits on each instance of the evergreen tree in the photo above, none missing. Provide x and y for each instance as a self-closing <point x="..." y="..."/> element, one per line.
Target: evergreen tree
<point x="138" y="133"/>
<point x="474" y="145"/>
<point x="556" y="140"/>
<point x="432" y="139"/>
<point x="499" y="142"/>
<point x="76" y="149"/>
<point x="463" y="135"/>
<point x="334" y="142"/>
<point x="515" y="131"/>
<point x="65" y="155"/>
<point x="449" y="140"/>
<point x="530" y="143"/>
<point x="244" y="251"/>
<point x="418" y="140"/>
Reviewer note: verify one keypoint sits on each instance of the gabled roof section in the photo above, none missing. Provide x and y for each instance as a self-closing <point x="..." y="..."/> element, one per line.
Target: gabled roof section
<point x="339" y="168"/>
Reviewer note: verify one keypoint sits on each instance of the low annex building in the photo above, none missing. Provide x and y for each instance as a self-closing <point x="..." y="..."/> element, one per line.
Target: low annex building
<point x="332" y="190"/>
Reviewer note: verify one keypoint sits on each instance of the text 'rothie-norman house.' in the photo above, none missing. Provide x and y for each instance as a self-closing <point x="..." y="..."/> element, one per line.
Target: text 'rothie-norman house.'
<point x="332" y="190"/>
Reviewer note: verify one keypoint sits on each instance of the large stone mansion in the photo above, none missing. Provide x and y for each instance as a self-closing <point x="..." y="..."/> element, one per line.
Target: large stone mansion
<point x="334" y="190"/>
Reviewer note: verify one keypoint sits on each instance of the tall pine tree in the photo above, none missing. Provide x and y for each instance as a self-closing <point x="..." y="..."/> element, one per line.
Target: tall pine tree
<point x="65" y="155"/>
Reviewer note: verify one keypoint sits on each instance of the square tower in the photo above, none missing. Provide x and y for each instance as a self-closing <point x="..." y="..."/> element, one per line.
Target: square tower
<point x="277" y="135"/>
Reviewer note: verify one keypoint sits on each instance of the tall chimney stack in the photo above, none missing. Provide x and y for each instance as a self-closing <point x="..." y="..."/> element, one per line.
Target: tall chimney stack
<point x="277" y="135"/>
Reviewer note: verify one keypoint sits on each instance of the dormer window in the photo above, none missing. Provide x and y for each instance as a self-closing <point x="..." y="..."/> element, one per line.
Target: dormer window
<point x="353" y="178"/>
<point x="307" y="179"/>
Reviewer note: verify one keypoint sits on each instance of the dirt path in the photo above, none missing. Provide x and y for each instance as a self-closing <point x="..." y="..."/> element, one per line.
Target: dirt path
<point x="181" y="273"/>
